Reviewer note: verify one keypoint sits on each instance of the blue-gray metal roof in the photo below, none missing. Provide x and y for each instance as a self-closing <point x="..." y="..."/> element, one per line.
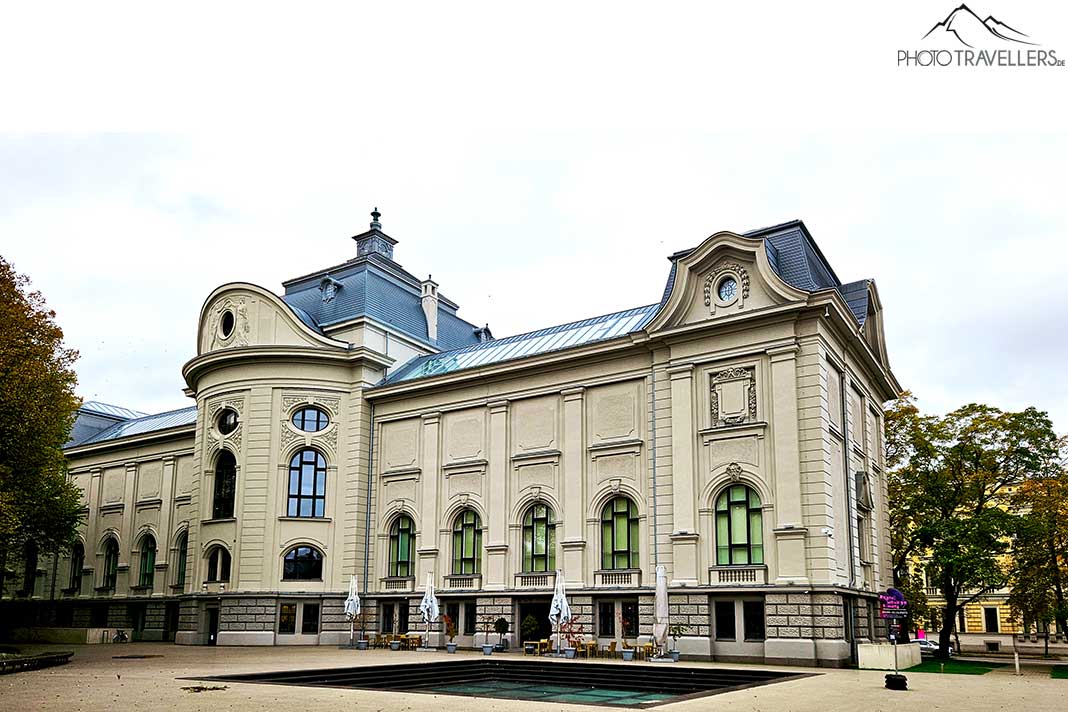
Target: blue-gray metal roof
<point x="390" y="296"/>
<point x="113" y="411"/>
<point x="553" y="338"/>
<point x="146" y="424"/>
<point x="856" y="296"/>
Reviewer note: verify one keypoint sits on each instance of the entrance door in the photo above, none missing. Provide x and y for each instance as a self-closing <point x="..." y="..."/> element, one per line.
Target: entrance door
<point x="170" y="621"/>
<point x="617" y="621"/>
<point x="539" y="628"/>
<point x="213" y="625"/>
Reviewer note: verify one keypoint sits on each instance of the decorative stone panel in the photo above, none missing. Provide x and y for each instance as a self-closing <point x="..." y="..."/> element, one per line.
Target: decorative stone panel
<point x="733" y="397"/>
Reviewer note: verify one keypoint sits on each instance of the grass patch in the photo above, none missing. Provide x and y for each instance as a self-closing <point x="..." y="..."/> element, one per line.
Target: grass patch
<point x="1059" y="672"/>
<point x="956" y="667"/>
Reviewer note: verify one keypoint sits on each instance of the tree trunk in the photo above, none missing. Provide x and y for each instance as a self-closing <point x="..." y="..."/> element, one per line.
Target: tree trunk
<point x="949" y="621"/>
<point x="1058" y="589"/>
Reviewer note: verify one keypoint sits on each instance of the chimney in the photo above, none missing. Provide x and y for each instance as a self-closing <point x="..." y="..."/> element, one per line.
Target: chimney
<point x="430" y="307"/>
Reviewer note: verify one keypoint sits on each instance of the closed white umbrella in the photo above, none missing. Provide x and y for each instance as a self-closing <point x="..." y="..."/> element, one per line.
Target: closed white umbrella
<point x="660" y="624"/>
<point x="428" y="607"/>
<point x="352" y="607"/>
<point x="559" y="610"/>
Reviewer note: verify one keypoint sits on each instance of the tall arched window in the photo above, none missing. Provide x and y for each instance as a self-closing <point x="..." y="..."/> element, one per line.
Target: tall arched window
<point x="29" y="580"/>
<point x="225" y="485"/>
<point x="77" y="563"/>
<point x="111" y="564"/>
<point x="539" y="539"/>
<point x="307" y="485"/>
<point x="302" y="563"/>
<point x="148" y="561"/>
<point x="183" y="554"/>
<point x="401" y="545"/>
<point x="218" y="564"/>
<point x="467" y="543"/>
<point x="739" y="528"/>
<point x="619" y="535"/>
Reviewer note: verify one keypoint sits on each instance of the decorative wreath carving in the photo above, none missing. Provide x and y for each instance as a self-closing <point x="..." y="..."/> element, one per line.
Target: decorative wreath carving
<point x="727" y="268"/>
<point x="734" y="374"/>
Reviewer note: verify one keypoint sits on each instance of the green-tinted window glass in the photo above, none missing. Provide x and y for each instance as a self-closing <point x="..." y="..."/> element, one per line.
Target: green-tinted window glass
<point x="619" y="534"/>
<point x="739" y="527"/>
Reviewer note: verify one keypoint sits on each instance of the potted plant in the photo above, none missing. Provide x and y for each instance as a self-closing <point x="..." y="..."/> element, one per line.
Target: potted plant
<point x="528" y="629"/>
<point x="361" y="643"/>
<point x="487" y="628"/>
<point x="394" y="644"/>
<point x="500" y="626"/>
<point x="450" y="633"/>
<point x="676" y="631"/>
<point x="624" y="628"/>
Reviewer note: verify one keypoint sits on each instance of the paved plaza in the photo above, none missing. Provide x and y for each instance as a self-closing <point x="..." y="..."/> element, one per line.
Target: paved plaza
<point x="95" y="680"/>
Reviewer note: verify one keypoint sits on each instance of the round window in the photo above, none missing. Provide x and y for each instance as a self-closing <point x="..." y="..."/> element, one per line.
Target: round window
<point x="310" y="420"/>
<point x="227" y="422"/>
<point x="226" y="326"/>
<point x="728" y="288"/>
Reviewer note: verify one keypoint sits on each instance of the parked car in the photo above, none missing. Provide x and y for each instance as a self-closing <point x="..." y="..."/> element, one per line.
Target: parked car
<point x="930" y="647"/>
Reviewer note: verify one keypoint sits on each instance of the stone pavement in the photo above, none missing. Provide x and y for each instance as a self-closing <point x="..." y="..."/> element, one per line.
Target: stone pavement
<point x="96" y="681"/>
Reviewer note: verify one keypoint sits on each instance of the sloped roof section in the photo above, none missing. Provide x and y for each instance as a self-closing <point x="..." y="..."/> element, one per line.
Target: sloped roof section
<point x="145" y="424"/>
<point x="383" y="292"/>
<point x="113" y="411"/>
<point x="856" y="296"/>
<point x="553" y="338"/>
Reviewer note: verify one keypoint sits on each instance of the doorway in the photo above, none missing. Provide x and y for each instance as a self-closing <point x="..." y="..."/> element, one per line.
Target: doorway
<point x="170" y="620"/>
<point x="617" y="620"/>
<point x="540" y="628"/>
<point x="213" y="625"/>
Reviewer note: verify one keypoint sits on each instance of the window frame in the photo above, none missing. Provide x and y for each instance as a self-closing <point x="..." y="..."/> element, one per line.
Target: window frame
<point x="77" y="563"/>
<point x="316" y="498"/>
<point x="111" y="564"/>
<point x="467" y="543"/>
<point x="395" y="535"/>
<point x="182" y="556"/>
<point x="322" y="419"/>
<point x="146" y="574"/>
<point x="224" y="489"/>
<point x="218" y="559"/>
<point x="723" y="515"/>
<point x="294" y="566"/>
<point x="611" y="519"/>
<point x="532" y="522"/>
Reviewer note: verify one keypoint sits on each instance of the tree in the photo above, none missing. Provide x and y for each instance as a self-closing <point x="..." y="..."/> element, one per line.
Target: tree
<point x="948" y="482"/>
<point x="38" y="504"/>
<point x="1039" y="572"/>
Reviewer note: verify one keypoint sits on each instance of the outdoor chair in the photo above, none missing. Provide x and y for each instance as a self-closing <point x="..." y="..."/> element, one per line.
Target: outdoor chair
<point x="609" y="651"/>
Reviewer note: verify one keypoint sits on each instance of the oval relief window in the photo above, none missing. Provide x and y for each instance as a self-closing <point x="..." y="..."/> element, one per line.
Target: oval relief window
<point x="226" y="325"/>
<point x="310" y="419"/>
<point x="227" y="422"/>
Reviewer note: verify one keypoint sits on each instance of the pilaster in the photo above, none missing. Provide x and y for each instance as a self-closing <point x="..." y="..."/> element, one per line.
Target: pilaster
<point x="789" y="531"/>
<point x="684" y="538"/>
<point x="573" y="495"/>
<point x="428" y="499"/>
<point x="496" y="538"/>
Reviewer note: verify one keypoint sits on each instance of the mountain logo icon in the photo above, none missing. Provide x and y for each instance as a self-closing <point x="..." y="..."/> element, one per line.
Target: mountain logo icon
<point x="966" y="27"/>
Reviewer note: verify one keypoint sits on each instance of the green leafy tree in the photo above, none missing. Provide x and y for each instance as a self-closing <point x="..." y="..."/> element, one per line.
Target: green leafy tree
<point x="38" y="504"/>
<point x="949" y="480"/>
<point x="1038" y="575"/>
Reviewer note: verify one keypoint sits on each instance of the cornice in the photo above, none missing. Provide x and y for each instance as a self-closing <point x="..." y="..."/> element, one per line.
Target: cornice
<point x="198" y="366"/>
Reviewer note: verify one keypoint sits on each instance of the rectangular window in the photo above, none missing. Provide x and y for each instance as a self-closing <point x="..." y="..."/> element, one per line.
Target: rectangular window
<point x="452" y="610"/>
<point x="630" y="619"/>
<point x="961" y="628"/>
<point x="310" y="623"/>
<point x="470" y="617"/>
<point x="990" y="617"/>
<point x="606" y="619"/>
<point x="753" y="619"/>
<point x="725" y="620"/>
<point x="388" y="612"/>
<point x="287" y="618"/>
<point x="402" y="617"/>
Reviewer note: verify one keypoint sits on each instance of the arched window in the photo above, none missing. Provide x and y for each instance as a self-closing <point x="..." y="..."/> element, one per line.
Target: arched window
<point x="739" y="528"/>
<point x="183" y="554"/>
<point x="148" y="561"/>
<point x="619" y="535"/>
<point x="111" y="564"/>
<point x="302" y="563"/>
<point x="29" y="580"/>
<point x="225" y="484"/>
<point x="218" y="565"/>
<point x="307" y="485"/>
<point x="77" y="563"/>
<point x="401" y="545"/>
<point x="467" y="543"/>
<point x="539" y="539"/>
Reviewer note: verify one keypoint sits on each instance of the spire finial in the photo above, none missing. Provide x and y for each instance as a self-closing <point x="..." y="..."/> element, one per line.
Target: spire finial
<point x="375" y="215"/>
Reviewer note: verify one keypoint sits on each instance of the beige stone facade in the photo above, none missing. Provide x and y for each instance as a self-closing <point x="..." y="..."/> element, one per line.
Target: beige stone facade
<point x="733" y="436"/>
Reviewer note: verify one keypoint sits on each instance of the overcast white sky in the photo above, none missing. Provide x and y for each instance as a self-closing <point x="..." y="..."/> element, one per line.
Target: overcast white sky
<point x="541" y="161"/>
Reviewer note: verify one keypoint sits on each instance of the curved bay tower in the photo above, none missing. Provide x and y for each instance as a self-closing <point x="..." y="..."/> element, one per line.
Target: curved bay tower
<point x="358" y="426"/>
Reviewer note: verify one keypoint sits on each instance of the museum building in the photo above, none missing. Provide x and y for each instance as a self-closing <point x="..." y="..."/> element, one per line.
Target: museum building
<point x="356" y="425"/>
